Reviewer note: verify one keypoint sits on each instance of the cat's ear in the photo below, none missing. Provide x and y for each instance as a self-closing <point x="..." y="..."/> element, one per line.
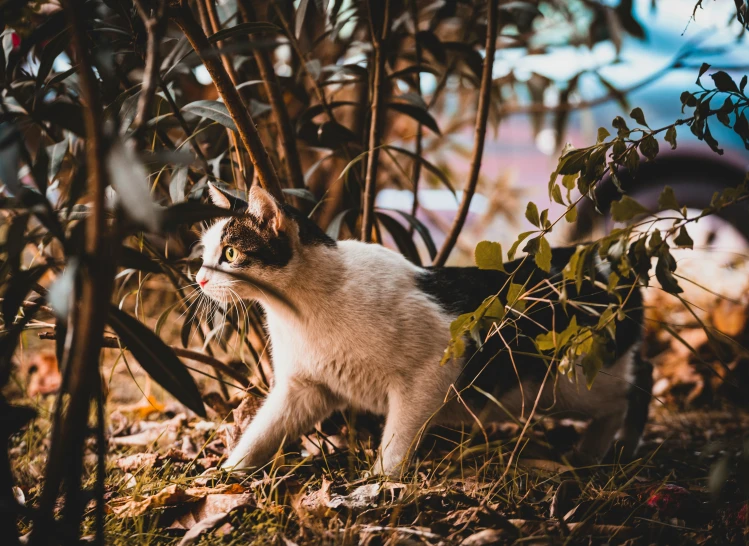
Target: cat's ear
<point x="224" y="199"/>
<point x="218" y="197"/>
<point x="265" y="208"/>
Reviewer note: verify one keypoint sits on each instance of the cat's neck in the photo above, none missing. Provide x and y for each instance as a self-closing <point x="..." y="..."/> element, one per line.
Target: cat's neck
<point x="318" y="275"/>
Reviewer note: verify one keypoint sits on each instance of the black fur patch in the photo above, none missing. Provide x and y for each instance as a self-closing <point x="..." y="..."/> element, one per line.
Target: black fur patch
<point x="257" y="242"/>
<point x="461" y="290"/>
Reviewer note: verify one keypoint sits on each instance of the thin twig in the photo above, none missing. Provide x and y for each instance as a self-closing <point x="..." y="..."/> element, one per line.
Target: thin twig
<point x="416" y="168"/>
<point x="278" y="106"/>
<point x="112" y="342"/>
<point x="479" y="136"/>
<point x="377" y="114"/>
<point x="155" y="26"/>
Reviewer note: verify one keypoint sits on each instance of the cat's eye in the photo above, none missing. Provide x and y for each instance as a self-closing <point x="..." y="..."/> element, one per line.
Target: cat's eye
<point x="230" y="254"/>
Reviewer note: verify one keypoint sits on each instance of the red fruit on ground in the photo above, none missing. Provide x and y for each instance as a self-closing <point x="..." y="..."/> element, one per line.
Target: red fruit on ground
<point x="673" y="501"/>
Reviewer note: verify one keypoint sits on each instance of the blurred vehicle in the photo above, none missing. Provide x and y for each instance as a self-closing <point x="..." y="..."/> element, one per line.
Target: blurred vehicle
<point x="602" y="82"/>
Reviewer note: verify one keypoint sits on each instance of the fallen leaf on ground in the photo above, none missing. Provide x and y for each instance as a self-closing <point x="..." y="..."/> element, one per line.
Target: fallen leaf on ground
<point x="44" y="375"/>
<point x="170" y="496"/>
<point x="146" y="406"/>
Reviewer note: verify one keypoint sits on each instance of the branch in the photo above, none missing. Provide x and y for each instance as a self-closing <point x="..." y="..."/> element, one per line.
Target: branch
<point x="377" y="113"/>
<point x="237" y="110"/>
<point x="479" y="135"/>
<point x="280" y="112"/>
<point x="112" y="342"/>
<point x="83" y="344"/>
<point x="416" y="168"/>
<point x="155" y="27"/>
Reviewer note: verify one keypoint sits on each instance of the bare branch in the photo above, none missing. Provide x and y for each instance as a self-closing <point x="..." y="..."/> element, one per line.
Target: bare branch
<point x="155" y="26"/>
<point x="482" y="117"/>
<point x="377" y="114"/>
<point x="280" y="112"/>
<point x="237" y="110"/>
<point x="112" y="342"/>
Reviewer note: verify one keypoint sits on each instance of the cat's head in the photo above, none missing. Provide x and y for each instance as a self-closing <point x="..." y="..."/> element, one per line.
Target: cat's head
<point x="264" y="242"/>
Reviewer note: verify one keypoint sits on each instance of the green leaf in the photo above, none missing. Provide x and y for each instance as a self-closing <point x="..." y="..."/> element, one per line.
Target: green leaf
<point x="211" y="109"/>
<point x="130" y="180"/>
<point x="301" y="193"/>
<point x="543" y="256"/>
<point x="17" y="289"/>
<point x="419" y="114"/>
<point x="401" y="237"/>
<point x="513" y="297"/>
<point x="531" y="213"/>
<point x="742" y="85"/>
<point x="191" y="212"/>
<point x="422" y="230"/>
<point x="603" y="134"/>
<point x="178" y="184"/>
<point x="667" y="199"/>
<point x="513" y="249"/>
<point x="334" y="228"/>
<point x="637" y="115"/>
<point x="428" y="165"/>
<point x="683" y="239"/>
<point x="626" y="209"/>
<point x="724" y="82"/>
<point x="704" y="68"/>
<point x="711" y="141"/>
<point x="571" y="214"/>
<point x="489" y="256"/>
<point x="671" y="136"/>
<point x="556" y="194"/>
<point x="242" y="29"/>
<point x="557" y="340"/>
<point x="649" y="147"/>
<point x="132" y="259"/>
<point x="157" y="359"/>
<point x="621" y="126"/>
<point x="664" y="269"/>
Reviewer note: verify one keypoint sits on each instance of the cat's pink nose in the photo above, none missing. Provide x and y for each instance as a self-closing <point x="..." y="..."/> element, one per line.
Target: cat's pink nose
<point x="202" y="282"/>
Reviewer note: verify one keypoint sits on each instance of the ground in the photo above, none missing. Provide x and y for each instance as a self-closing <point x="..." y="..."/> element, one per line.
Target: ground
<point x="159" y="487"/>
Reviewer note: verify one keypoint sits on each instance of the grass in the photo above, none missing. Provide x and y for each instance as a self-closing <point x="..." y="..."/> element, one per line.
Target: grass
<point x="450" y="494"/>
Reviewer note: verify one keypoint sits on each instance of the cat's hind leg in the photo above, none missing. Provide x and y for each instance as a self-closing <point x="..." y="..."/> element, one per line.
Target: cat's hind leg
<point x="638" y="407"/>
<point x="292" y="407"/>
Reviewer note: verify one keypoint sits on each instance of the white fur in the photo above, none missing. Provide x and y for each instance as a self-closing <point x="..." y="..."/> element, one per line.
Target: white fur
<point x="366" y="337"/>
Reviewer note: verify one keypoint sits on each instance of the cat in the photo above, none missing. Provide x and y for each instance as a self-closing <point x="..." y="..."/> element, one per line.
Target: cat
<point x="370" y="329"/>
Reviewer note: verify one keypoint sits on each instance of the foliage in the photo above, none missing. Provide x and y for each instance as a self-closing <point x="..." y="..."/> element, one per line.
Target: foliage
<point x="108" y="139"/>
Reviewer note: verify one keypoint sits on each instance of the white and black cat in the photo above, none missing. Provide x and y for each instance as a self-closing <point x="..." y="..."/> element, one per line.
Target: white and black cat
<point x="372" y="327"/>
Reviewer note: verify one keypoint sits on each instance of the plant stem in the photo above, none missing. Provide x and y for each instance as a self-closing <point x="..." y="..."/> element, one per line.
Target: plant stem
<point x="89" y="316"/>
<point x="155" y="27"/>
<point x="280" y="112"/>
<point x="479" y="136"/>
<point x="377" y="114"/>
<point x="266" y="174"/>
<point x="416" y="168"/>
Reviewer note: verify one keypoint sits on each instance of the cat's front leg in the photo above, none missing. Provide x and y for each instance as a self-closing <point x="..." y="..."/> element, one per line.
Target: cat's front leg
<point x="407" y="419"/>
<point x="293" y="406"/>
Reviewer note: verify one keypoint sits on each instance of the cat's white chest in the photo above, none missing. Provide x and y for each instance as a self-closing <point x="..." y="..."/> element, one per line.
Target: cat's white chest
<point x="323" y="355"/>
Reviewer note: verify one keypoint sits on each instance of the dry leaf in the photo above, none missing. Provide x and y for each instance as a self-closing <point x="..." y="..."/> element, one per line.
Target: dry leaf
<point x="145" y="407"/>
<point x="138" y="461"/>
<point x="170" y="496"/>
<point x="547" y="466"/>
<point x="44" y="375"/>
<point x="487" y="536"/>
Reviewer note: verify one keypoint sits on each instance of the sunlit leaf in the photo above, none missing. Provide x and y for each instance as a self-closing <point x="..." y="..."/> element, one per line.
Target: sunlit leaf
<point x="488" y="255"/>
<point x="626" y="209"/>
<point x="211" y="109"/>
